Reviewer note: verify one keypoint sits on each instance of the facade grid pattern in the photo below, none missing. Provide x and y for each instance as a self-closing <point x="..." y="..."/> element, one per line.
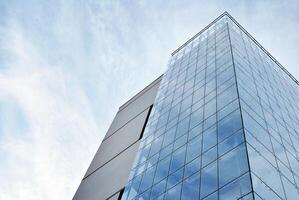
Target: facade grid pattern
<point x="223" y="126"/>
<point x="269" y="101"/>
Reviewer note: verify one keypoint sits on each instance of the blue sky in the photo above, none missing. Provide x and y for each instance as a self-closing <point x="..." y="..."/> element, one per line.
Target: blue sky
<point x="66" y="67"/>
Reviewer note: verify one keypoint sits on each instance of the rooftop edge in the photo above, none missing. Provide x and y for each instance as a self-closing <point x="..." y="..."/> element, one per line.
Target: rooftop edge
<point x="140" y="93"/>
<point x="251" y="37"/>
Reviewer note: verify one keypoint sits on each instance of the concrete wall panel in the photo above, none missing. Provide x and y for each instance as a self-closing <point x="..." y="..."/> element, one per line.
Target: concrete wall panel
<point x="110" y="168"/>
<point x="109" y="179"/>
<point x="134" y="107"/>
<point x="119" y="141"/>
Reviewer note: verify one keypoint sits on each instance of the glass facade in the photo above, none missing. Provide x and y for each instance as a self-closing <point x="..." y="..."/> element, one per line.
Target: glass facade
<point x="224" y="124"/>
<point x="270" y="105"/>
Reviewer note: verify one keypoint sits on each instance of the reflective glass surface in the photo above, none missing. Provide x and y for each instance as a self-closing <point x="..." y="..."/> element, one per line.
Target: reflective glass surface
<point x="224" y="125"/>
<point x="270" y="108"/>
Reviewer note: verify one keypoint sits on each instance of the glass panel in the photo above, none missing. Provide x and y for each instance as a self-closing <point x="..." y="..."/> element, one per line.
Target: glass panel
<point x="156" y="146"/>
<point x="175" y="178"/>
<point x="226" y="97"/>
<point x="196" y="118"/>
<point x="190" y="190"/>
<point x="158" y="189"/>
<point x="186" y="103"/>
<point x="231" y="142"/>
<point x="208" y="180"/>
<point x="210" y="108"/>
<point x="169" y="136"/>
<point x="236" y="189"/>
<point x="209" y="138"/>
<point x="209" y="122"/>
<point x="182" y="127"/>
<point x="193" y="149"/>
<point x="229" y="125"/>
<point x="232" y="165"/>
<point x="213" y="196"/>
<point x="195" y="132"/>
<point x="134" y="187"/>
<point x="265" y="171"/>
<point x="209" y="156"/>
<point x="263" y="190"/>
<point x="180" y="142"/>
<point x="192" y="167"/>
<point x="165" y="152"/>
<point x="162" y="169"/>
<point x="291" y="191"/>
<point x="174" y="193"/>
<point x="147" y="179"/>
<point x="228" y="109"/>
<point x="178" y="159"/>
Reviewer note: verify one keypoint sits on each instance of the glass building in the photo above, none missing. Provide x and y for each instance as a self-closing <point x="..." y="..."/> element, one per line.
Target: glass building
<point x="224" y="124"/>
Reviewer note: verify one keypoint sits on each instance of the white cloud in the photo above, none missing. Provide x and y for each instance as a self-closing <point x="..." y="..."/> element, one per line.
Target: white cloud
<point x="43" y="164"/>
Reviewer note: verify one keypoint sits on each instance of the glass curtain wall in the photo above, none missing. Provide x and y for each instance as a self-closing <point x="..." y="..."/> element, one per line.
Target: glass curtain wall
<point x="224" y="124"/>
<point x="270" y="106"/>
<point x="193" y="145"/>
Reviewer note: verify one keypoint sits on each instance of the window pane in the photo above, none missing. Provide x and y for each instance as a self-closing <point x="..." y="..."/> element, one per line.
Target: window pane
<point x="178" y="159"/>
<point x="145" y="195"/>
<point x="228" y="109"/>
<point x="184" y="114"/>
<point x="190" y="190"/>
<point x="198" y="104"/>
<point x="208" y="180"/>
<point x="192" y="167"/>
<point x="226" y="85"/>
<point x="156" y="146"/>
<point x="180" y="142"/>
<point x="174" y="193"/>
<point x="265" y="171"/>
<point x="227" y="96"/>
<point x="232" y="165"/>
<point x="186" y="103"/>
<point x="165" y="152"/>
<point x="195" y="132"/>
<point x="198" y="94"/>
<point x="209" y="122"/>
<point x="196" y="118"/>
<point x="153" y="160"/>
<point x="182" y="127"/>
<point x="209" y="138"/>
<point x="263" y="191"/>
<point x="228" y="125"/>
<point x="213" y="196"/>
<point x="175" y="178"/>
<point x="210" y="108"/>
<point x="209" y="156"/>
<point x="257" y="130"/>
<point x="231" y="142"/>
<point x="210" y="96"/>
<point x="193" y="149"/>
<point x="147" y="179"/>
<point x="236" y="189"/>
<point x="169" y="136"/>
<point x="162" y="169"/>
<point x="211" y="85"/>
<point x="158" y="189"/>
<point x="291" y="193"/>
<point x="248" y="197"/>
